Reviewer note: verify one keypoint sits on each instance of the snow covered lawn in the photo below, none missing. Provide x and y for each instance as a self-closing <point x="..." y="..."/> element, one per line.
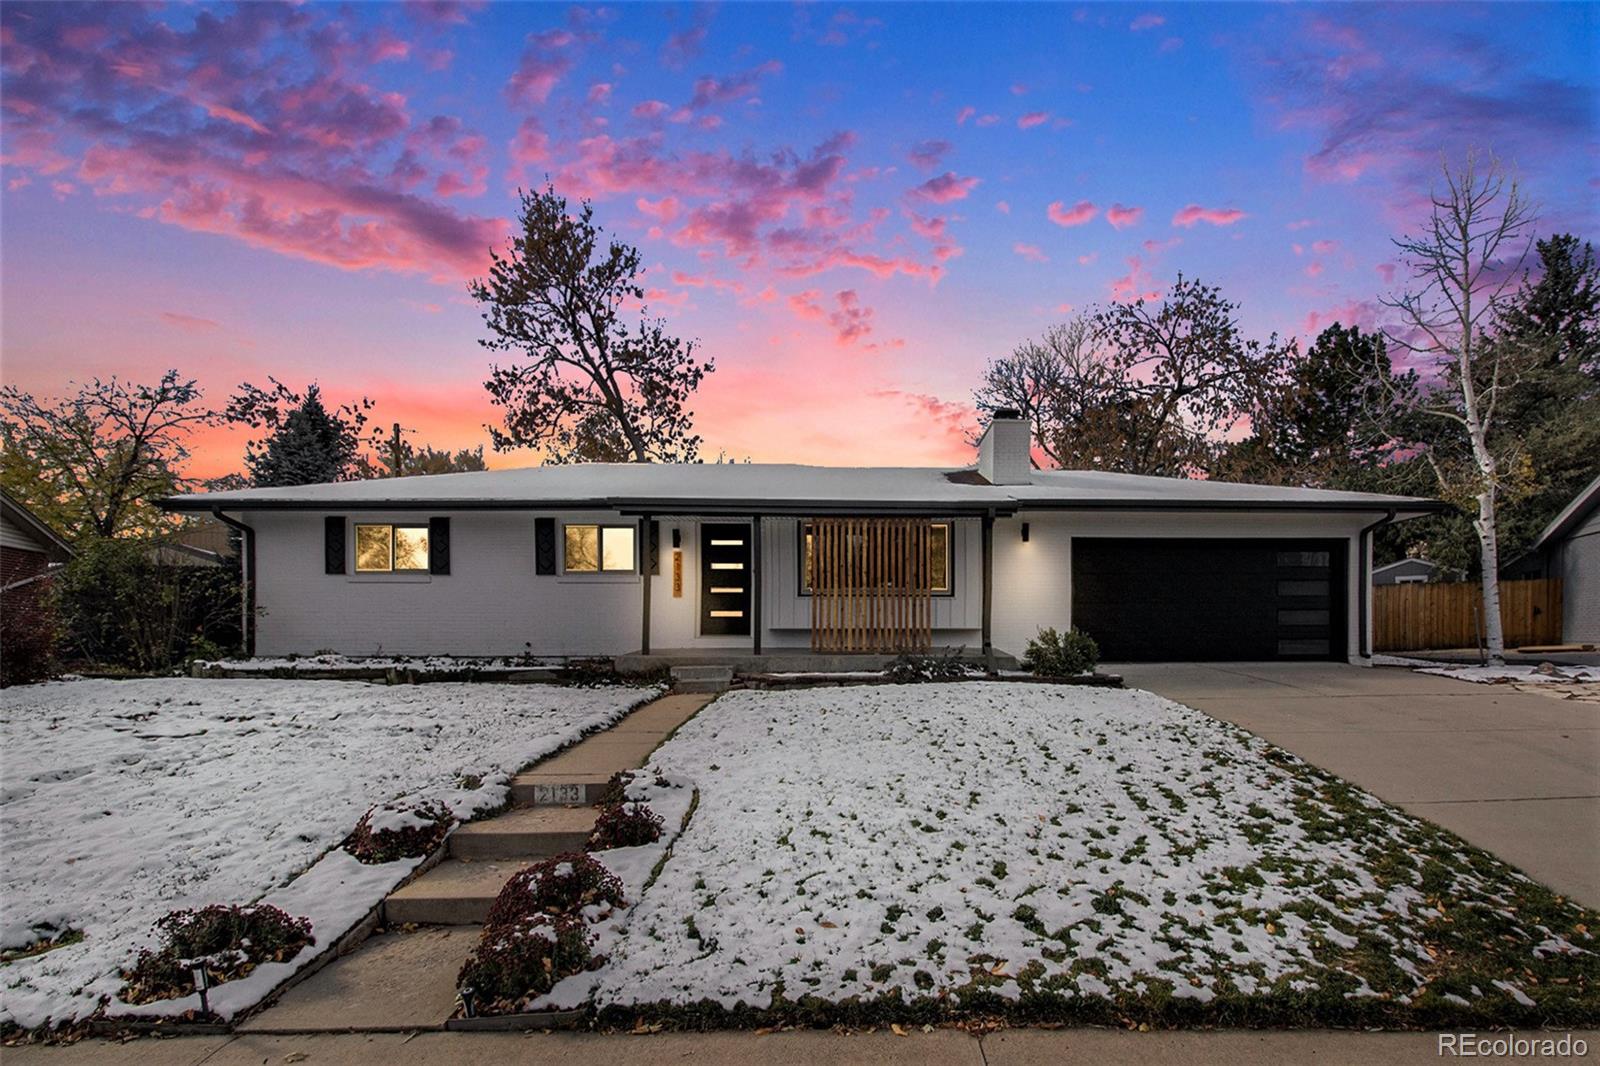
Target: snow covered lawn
<point x="912" y="852"/>
<point x="123" y="800"/>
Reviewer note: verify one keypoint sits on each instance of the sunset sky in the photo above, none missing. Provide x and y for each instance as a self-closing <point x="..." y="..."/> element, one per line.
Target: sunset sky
<point x="851" y="208"/>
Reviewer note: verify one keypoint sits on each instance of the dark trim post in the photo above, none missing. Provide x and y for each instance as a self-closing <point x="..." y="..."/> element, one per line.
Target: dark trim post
<point x="646" y="581"/>
<point x="756" y="577"/>
<point x="988" y="591"/>
<point x="247" y="577"/>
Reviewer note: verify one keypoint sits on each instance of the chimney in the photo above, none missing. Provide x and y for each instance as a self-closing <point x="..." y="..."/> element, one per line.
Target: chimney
<point x="1003" y="452"/>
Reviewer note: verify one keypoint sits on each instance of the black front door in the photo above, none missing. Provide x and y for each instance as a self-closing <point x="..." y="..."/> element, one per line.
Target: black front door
<point x="725" y="579"/>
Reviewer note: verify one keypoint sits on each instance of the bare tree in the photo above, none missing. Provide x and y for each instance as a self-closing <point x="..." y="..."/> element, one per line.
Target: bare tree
<point x="588" y="386"/>
<point x="1465" y="264"/>
<point x="1034" y="381"/>
<point x="101" y="456"/>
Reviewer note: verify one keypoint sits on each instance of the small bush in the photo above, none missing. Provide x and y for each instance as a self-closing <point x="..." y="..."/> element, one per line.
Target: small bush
<point x="589" y="673"/>
<point x="1068" y="654"/>
<point x="616" y="790"/>
<point x="391" y="832"/>
<point x="559" y="887"/>
<point x="909" y="668"/>
<point x="524" y="959"/>
<point x="625" y="825"/>
<point x="228" y="942"/>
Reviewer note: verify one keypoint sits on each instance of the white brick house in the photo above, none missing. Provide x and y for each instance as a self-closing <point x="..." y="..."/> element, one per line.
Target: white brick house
<point x="607" y="559"/>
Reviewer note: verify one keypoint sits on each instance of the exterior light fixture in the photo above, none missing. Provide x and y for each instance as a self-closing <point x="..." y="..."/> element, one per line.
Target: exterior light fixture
<point x="1024" y="532"/>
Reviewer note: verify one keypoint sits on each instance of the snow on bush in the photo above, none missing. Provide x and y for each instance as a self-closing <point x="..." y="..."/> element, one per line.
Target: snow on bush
<point x="227" y="942"/>
<point x="124" y="800"/>
<point x="399" y="831"/>
<point x="563" y="885"/>
<point x="624" y="825"/>
<point x="521" y="960"/>
<point x="910" y="852"/>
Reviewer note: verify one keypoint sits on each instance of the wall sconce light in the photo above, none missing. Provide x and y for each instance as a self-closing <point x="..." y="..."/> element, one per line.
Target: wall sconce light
<point x="1024" y="532"/>
<point x="677" y="537"/>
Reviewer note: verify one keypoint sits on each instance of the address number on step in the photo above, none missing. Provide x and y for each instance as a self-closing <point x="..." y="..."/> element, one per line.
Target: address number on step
<point x="553" y="794"/>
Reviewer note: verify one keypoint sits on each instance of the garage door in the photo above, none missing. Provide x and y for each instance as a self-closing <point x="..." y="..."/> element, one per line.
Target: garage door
<point x="1196" y="600"/>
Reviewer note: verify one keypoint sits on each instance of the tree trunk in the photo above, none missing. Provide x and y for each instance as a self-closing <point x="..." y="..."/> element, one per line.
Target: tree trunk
<point x="1489" y="551"/>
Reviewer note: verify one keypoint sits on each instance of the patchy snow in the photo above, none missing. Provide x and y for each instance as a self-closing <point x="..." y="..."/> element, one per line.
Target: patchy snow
<point x="126" y="799"/>
<point x="311" y="665"/>
<point x="1517" y="672"/>
<point x="953" y="839"/>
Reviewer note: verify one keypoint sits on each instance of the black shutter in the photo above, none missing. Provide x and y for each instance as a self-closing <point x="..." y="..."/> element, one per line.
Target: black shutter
<point x="544" y="545"/>
<point x="333" y="544"/>
<point x="653" y="540"/>
<point x="438" y="545"/>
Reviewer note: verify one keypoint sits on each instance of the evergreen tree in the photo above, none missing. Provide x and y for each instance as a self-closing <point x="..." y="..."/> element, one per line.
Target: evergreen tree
<point x="306" y="443"/>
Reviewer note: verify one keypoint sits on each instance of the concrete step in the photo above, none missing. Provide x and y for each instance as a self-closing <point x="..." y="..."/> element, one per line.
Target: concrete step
<point x="524" y="833"/>
<point x="558" y="790"/>
<point x="706" y="672"/>
<point x="452" y="893"/>
<point x="702" y="686"/>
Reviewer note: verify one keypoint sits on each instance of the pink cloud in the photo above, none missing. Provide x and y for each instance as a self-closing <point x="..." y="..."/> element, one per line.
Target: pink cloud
<point x="1148" y="21"/>
<point x="929" y="154"/>
<point x="190" y="323"/>
<point x="1324" y="247"/>
<point x="1019" y="89"/>
<point x="1169" y="45"/>
<point x="1032" y="119"/>
<point x="945" y="188"/>
<point x="1314" y="269"/>
<point x="988" y="120"/>
<point x="1300" y="224"/>
<point x="1387" y="271"/>
<point x="679" y="48"/>
<point x="600" y="92"/>
<point x="964" y="114"/>
<point x="546" y="59"/>
<point x="651" y="109"/>
<point x="1215" y="216"/>
<point x="712" y="92"/>
<point x="1136" y="284"/>
<point x="1088" y="258"/>
<point x="1002" y="206"/>
<point x="932" y="228"/>
<point x="1122" y="217"/>
<point x="1076" y="215"/>
<point x="1031" y="252"/>
<point x="662" y="210"/>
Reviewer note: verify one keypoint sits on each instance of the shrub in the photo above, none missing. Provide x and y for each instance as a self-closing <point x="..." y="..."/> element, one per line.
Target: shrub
<point x="29" y="630"/>
<point x="616" y="790"/>
<point x="1053" y="654"/>
<point x="521" y="960"/>
<point x="392" y="832"/>
<point x="228" y="942"/>
<point x="559" y="887"/>
<point x="908" y="668"/>
<point x="588" y="673"/>
<point x="625" y="825"/>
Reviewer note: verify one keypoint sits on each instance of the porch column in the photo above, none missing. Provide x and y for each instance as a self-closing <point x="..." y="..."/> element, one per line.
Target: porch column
<point x="988" y="591"/>
<point x="647" y="581"/>
<point x="755" y="583"/>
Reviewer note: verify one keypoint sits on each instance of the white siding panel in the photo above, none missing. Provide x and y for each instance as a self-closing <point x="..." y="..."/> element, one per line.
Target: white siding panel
<point x="1580" y="584"/>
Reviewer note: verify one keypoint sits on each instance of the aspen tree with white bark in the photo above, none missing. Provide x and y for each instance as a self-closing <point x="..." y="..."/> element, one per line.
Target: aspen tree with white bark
<point x="1464" y="266"/>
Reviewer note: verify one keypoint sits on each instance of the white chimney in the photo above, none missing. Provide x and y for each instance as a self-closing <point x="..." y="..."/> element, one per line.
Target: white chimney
<point x="1004" y="452"/>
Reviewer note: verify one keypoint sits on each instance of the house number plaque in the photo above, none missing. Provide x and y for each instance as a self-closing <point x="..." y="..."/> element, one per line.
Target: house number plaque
<point x="677" y="575"/>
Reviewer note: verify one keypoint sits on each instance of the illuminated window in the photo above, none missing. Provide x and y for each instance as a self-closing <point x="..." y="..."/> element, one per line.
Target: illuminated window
<point x="864" y="562"/>
<point x="391" y="549"/>
<point x="593" y="549"/>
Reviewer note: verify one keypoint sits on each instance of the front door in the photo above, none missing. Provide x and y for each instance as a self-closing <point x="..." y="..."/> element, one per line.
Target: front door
<point x="725" y="579"/>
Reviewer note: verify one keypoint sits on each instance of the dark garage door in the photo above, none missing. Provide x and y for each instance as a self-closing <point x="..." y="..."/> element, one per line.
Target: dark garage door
<point x="1180" y="600"/>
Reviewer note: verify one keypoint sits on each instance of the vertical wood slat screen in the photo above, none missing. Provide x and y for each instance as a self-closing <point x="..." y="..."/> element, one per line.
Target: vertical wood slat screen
<point x="871" y="584"/>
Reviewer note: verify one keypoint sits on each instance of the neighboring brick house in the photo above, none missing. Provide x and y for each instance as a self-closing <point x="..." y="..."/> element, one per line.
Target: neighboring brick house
<point x="28" y="550"/>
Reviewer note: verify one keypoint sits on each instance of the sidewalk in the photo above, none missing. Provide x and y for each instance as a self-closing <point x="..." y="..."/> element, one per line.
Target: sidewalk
<point x="1013" y="1047"/>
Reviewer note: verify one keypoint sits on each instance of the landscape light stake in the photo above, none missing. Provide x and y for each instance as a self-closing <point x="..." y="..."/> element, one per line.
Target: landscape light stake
<point x="202" y="981"/>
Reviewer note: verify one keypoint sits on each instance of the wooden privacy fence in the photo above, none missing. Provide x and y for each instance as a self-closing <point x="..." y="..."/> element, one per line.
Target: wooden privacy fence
<point x="871" y="583"/>
<point x="1415" y="617"/>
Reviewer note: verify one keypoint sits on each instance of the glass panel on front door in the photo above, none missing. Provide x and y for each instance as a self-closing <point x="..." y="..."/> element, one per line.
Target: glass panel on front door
<point x="725" y="579"/>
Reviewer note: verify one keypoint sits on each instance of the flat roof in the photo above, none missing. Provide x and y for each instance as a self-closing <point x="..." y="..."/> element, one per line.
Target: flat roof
<point x="782" y="488"/>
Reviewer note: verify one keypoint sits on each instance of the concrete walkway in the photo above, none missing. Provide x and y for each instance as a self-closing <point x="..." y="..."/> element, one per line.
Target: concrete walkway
<point x="404" y="978"/>
<point x="942" y="1047"/>
<point x="1516" y="773"/>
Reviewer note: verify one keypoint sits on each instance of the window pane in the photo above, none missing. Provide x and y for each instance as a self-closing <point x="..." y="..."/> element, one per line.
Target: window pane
<point x="617" y="548"/>
<point x="583" y="549"/>
<point x="939" y="550"/>
<point x="373" y="544"/>
<point x="807" y="564"/>
<point x="411" y="547"/>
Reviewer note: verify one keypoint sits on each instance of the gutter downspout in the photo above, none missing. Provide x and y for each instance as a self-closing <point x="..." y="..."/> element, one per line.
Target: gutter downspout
<point x="247" y="577"/>
<point x="1364" y="596"/>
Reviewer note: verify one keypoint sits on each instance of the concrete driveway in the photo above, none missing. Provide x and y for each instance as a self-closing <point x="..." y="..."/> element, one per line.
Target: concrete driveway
<point x="1513" y="772"/>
